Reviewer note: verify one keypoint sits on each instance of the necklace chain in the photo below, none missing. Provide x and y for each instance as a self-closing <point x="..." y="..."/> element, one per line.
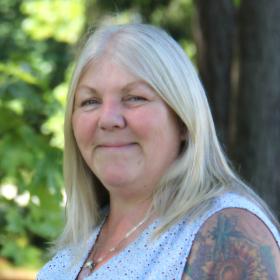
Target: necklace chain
<point x="90" y="264"/>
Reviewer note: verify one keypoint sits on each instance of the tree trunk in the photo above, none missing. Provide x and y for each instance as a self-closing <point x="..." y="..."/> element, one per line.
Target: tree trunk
<point x="215" y="48"/>
<point x="258" y="146"/>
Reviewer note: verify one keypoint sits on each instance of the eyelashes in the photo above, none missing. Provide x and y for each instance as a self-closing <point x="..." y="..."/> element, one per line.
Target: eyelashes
<point x="135" y="98"/>
<point x="89" y="102"/>
<point x="129" y="100"/>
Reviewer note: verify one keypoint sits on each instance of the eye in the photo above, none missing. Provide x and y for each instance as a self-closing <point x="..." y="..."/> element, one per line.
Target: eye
<point x="135" y="99"/>
<point x="90" y="102"/>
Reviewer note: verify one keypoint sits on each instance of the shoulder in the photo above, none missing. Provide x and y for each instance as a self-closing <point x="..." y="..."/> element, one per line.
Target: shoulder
<point x="233" y="244"/>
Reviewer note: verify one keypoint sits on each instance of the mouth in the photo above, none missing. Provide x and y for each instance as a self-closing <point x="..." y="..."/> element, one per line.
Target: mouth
<point x="116" y="146"/>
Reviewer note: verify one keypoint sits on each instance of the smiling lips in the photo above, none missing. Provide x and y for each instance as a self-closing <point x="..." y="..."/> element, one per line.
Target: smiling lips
<point x="116" y="146"/>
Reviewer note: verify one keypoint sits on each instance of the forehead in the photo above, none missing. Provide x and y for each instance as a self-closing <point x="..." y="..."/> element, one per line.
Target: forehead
<point x="106" y="73"/>
<point x="106" y="68"/>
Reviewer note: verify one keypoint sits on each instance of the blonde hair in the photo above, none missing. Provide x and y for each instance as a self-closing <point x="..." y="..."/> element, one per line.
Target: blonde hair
<point x="200" y="172"/>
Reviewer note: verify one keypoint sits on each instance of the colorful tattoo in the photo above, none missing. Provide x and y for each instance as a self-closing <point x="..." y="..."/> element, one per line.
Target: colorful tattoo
<point x="225" y="252"/>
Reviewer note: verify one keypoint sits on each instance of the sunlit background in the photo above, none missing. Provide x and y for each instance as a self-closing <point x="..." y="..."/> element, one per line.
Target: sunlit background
<point x="39" y="40"/>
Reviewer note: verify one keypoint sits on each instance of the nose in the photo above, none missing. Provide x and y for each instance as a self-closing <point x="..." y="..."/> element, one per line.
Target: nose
<point x="111" y="116"/>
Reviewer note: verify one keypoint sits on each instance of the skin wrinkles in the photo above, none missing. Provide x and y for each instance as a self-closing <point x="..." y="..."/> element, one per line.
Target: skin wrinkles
<point x="85" y="91"/>
<point x="126" y="133"/>
<point x="233" y="245"/>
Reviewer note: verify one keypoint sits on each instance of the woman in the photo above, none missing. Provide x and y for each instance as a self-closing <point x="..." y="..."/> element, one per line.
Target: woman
<point x="150" y="194"/>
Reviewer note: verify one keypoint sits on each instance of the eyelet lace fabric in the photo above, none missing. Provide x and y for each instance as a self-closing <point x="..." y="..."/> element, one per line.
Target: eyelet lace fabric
<point x="160" y="259"/>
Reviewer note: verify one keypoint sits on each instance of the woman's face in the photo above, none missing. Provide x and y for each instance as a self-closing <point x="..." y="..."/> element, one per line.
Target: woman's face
<point x="126" y="133"/>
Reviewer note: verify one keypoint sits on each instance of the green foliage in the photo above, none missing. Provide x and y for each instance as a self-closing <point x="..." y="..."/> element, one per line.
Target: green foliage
<point x="62" y="20"/>
<point x="32" y="93"/>
<point x="237" y="3"/>
<point x="35" y="59"/>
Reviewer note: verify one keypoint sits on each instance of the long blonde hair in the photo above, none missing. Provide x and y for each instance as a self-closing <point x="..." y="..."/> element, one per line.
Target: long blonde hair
<point x="201" y="170"/>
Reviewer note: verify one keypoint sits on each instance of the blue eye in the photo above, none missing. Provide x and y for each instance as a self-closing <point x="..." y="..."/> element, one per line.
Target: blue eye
<point x="138" y="98"/>
<point x="89" y="102"/>
<point x="135" y="98"/>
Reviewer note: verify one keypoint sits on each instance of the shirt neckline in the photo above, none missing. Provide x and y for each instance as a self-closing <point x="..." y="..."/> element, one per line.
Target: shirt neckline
<point x="145" y="234"/>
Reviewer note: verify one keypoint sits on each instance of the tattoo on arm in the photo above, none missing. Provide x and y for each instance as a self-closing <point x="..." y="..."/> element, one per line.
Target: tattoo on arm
<point x="228" y="250"/>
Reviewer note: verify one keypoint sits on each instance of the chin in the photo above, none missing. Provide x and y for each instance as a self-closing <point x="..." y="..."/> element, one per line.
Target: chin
<point x="115" y="180"/>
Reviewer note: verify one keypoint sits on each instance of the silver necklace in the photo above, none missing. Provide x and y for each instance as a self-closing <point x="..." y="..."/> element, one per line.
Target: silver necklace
<point x="90" y="264"/>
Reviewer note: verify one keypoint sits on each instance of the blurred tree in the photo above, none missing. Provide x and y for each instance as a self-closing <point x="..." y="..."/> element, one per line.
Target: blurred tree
<point x="258" y="147"/>
<point x="216" y="39"/>
<point x="238" y="59"/>
<point x="36" y="39"/>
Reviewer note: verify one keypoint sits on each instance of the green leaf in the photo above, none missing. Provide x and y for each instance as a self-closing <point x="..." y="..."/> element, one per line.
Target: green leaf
<point x="237" y="3"/>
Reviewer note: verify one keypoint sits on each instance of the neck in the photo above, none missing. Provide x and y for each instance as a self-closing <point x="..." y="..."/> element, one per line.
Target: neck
<point x="127" y="213"/>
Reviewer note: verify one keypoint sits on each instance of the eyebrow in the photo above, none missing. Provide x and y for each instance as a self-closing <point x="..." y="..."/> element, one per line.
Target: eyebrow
<point x="128" y="87"/>
<point x="132" y="85"/>
<point x="88" y="88"/>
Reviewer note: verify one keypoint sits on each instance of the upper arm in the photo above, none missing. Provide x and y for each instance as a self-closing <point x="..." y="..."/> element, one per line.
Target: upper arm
<point x="233" y="244"/>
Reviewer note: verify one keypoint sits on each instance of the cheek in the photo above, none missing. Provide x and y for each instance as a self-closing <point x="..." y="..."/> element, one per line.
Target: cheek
<point x="83" y="128"/>
<point x="143" y="124"/>
<point x="158" y="128"/>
